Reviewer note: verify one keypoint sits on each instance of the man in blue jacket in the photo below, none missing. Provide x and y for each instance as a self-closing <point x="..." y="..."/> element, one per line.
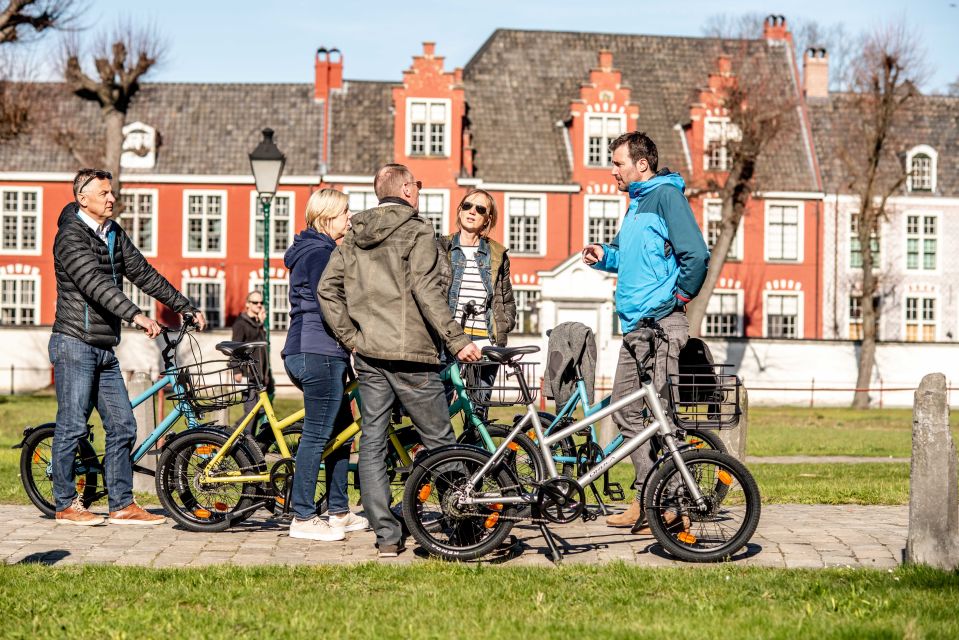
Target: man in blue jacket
<point x="660" y="258"/>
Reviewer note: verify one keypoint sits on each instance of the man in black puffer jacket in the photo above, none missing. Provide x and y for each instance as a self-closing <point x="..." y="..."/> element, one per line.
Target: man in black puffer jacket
<point x="91" y="256"/>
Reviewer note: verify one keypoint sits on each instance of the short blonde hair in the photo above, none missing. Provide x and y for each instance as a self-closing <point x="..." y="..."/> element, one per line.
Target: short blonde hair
<point x="323" y="206"/>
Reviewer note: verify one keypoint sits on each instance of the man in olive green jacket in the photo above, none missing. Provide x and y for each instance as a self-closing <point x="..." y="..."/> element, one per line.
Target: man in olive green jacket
<point x="383" y="294"/>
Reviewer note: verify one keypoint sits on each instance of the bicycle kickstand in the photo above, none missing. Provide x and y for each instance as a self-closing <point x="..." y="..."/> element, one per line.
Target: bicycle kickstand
<point x="599" y="500"/>
<point x="554" y="553"/>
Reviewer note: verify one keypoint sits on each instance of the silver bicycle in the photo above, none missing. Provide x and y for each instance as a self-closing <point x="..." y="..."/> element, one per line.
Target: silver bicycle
<point x="460" y="501"/>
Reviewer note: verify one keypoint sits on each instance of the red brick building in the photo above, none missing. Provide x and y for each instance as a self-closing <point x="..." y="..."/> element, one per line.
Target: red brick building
<point x="527" y="119"/>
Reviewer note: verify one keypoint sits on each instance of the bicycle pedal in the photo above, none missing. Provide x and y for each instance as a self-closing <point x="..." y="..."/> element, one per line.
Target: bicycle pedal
<point x="614" y="491"/>
<point x="589" y="515"/>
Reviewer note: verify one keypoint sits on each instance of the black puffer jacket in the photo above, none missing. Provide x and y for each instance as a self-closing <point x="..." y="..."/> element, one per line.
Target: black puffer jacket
<point x="90" y="300"/>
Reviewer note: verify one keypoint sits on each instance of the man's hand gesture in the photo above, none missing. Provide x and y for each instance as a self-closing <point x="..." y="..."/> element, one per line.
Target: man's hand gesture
<point x="593" y="253"/>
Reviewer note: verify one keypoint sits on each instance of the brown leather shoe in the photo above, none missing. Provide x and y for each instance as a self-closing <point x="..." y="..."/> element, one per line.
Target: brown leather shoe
<point x="134" y="514"/>
<point x="77" y="514"/>
<point x="673" y="524"/>
<point x="627" y="518"/>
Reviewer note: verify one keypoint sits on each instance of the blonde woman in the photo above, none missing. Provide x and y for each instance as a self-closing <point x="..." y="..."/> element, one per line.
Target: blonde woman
<point x="317" y="364"/>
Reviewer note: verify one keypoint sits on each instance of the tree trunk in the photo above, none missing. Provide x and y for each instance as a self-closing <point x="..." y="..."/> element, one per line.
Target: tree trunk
<point x="115" y="121"/>
<point x="867" y="355"/>
<point x="696" y="310"/>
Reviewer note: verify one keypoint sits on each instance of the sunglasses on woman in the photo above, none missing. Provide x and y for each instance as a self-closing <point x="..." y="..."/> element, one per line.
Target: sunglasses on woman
<point x="480" y="209"/>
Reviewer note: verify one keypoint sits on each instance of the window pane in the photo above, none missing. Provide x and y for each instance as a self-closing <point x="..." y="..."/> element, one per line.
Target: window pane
<point x="418" y="111"/>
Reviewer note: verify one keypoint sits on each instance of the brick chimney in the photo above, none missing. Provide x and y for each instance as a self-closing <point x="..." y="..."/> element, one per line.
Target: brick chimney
<point x="605" y="60"/>
<point x="815" y="73"/>
<point x="329" y="72"/>
<point x="774" y="28"/>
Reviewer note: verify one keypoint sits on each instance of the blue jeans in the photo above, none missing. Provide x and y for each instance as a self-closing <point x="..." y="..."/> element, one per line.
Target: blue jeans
<point x="419" y="389"/>
<point x="321" y="378"/>
<point x="86" y="377"/>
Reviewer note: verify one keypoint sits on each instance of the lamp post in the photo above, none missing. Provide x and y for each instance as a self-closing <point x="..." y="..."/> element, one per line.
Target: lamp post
<point x="267" y="162"/>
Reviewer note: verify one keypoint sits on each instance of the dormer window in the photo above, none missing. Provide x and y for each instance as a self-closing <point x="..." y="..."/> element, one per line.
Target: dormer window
<point x="139" y="146"/>
<point x="716" y="136"/>
<point x="428" y="129"/>
<point x="600" y="131"/>
<point x="921" y="163"/>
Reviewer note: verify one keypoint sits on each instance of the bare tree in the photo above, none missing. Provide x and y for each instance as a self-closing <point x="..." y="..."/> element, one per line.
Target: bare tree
<point x="760" y="111"/>
<point x="120" y="59"/>
<point x="22" y="20"/>
<point x="884" y="80"/>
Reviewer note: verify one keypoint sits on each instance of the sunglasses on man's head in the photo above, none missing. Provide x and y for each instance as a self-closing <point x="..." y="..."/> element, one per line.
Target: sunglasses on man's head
<point x="96" y="175"/>
<point x="480" y="209"/>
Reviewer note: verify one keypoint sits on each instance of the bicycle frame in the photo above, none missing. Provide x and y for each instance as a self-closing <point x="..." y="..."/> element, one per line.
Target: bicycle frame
<point x="462" y="403"/>
<point x="580" y="397"/>
<point x="180" y="409"/>
<point x="278" y="426"/>
<point x="659" y="425"/>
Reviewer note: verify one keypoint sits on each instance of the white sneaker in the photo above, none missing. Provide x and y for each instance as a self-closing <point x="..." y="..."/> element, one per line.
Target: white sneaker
<point x="349" y="521"/>
<point x="315" y="529"/>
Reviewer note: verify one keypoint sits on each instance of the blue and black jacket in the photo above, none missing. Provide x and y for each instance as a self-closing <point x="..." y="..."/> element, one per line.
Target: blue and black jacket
<point x="659" y="254"/>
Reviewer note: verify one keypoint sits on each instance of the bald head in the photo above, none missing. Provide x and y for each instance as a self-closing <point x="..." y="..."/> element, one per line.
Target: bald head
<point x="389" y="180"/>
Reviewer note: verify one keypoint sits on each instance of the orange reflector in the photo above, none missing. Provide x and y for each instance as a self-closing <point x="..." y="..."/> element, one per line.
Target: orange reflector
<point x="205" y="449"/>
<point x="512" y="446"/>
<point x="724" y="477"/>
<point x="36" y="456"/>
<point x="201" y="513"/>
<point x="425" y="492"/>
<point x="221" y="506"/>
<point x="699" y="444"/>
<point x="686" y="537"/>
<point x="280" y="500"/>
<point x="491" y="520"/>
<point x="531" y="434"/>
<point x="496" y="506"/>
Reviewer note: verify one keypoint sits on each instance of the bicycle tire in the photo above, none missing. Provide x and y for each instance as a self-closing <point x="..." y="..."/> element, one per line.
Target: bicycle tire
<point x="182" y="496"/>
<point x="36" y="470"/>
<point x="690" y="534"/>
<point x="527" y="463"/>
<point x="444" y="529"/>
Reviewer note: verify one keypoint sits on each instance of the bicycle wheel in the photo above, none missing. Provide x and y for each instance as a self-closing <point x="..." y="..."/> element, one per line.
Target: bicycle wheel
<point x="36" y="470"/>
<point x="703" y="535"/>
<point x="200" y="506"/>
<point x="266" y="441"/>
<point x="450" y="530"/>
<point x="526" y="461"/>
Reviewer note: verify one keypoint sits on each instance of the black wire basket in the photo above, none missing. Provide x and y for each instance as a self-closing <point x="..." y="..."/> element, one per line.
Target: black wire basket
<point x="212" y="385"/>
<point x="706" y="397"/>
<point x="506" y="389"/>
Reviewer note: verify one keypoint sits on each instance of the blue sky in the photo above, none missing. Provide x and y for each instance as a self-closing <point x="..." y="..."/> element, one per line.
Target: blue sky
<point x="256" y="41"/>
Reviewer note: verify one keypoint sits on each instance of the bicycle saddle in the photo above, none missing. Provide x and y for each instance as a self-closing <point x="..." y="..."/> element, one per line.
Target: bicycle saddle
<point x="507" y="354"/>
<point x="241" y="350"/>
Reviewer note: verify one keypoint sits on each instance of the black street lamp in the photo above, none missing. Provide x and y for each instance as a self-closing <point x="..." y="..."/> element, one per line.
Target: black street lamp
<point x="267" y="162"/>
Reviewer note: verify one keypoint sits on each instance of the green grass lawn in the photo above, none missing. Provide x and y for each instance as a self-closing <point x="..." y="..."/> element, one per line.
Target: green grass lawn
<point x="439" y="600"/>
<point x="780" y="431"/>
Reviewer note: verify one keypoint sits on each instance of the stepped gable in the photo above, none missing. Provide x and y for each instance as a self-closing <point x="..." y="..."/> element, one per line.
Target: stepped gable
<point x="520" y="84"/>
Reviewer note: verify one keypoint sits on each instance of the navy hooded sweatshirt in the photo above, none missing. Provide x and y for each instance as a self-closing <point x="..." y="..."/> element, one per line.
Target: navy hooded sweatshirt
<point x="305" y="260"/>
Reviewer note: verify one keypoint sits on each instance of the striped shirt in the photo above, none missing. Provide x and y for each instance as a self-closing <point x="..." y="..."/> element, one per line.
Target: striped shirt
<point x="472" y="289"/>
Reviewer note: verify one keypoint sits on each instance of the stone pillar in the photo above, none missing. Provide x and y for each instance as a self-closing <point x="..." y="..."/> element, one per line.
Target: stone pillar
<point x="933" y="503"/>
<point x="146" y="422"/>
<point x="735" y="439"/>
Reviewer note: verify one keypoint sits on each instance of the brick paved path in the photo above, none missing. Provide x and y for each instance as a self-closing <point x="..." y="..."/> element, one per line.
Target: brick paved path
<point x="788" y="536"/>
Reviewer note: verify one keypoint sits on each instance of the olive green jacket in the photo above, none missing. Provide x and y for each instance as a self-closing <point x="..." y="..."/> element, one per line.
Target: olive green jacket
<point x="383" y="292"/>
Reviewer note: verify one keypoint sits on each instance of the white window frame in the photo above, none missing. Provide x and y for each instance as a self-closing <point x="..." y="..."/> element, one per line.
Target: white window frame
<point x="445" y="219"/>
<point x="621" y="207"/>
<point x="539" y="319"/>
<point x="253" y="215"/>
<point x="136" y="296"/>
<point x="922" y="149"/>
<point x="448" y="130"/>
<point x="606" y="138"/>
<point x="729" y="132"/>
<point x="22" y="277"/>
<point x="366" y="194"/>
<point x="224" y="212"/>
<point x="800" y="311"/>
<point x="257" y="283"/>
<point x="507" y="220"/>
<point x="740" y="312"/>
<point x="800" y="231"/>
<point x="854" y="237"/>
<point x="154" y="226"/>
<point x="39" y="222"/>
<point x="849" y="318"/>
<point x="736" y="248"/>
<point x="187" y="280"/>
<point x="922" y="237"/>
<point x="921" y="323"/>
